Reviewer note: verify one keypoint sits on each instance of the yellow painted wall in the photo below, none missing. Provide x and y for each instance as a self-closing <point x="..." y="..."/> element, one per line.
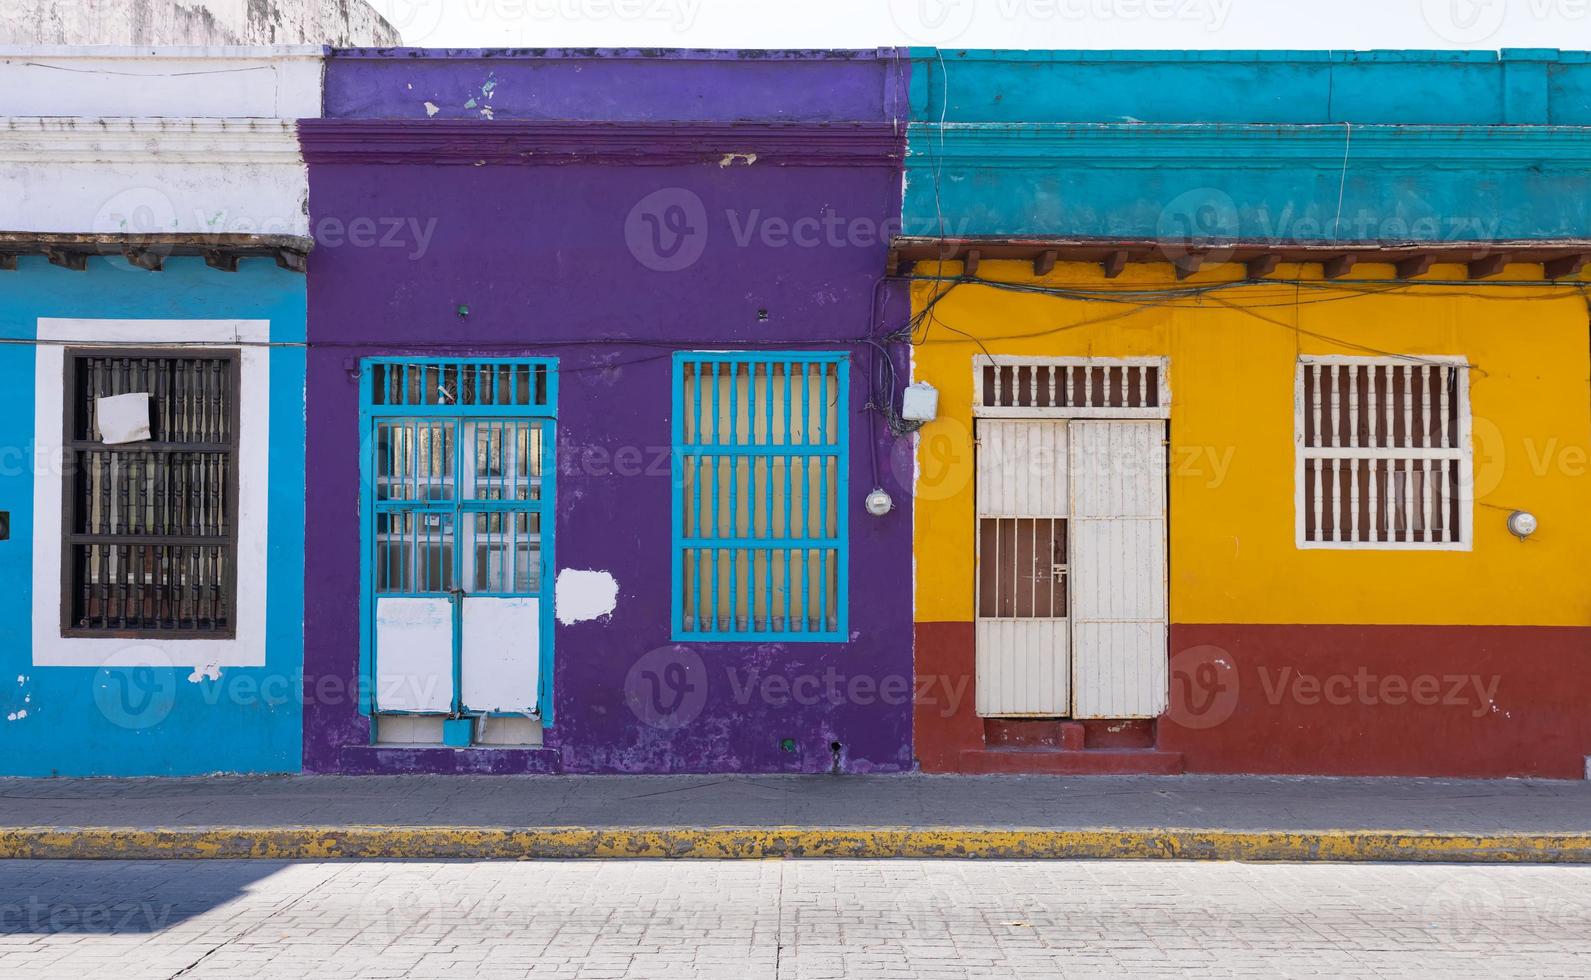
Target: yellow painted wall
<point x="1233" y="354"/>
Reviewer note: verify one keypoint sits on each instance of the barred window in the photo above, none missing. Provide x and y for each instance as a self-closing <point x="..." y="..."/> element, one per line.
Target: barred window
<point x="760" y="443"/>
<point x="151" y="489"/>
<point x="1384" y="457"/>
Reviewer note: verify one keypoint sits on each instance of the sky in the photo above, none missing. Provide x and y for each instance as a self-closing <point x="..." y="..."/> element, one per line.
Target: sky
<point x="1192" y="24"/>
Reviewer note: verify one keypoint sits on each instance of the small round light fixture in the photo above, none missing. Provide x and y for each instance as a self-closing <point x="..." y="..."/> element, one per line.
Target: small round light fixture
<point x="879" y="503"/>
<point x="1522" y="524"/>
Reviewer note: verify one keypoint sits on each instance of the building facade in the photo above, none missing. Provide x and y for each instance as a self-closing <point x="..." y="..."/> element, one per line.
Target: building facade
<point x="152" y="247"/>
<point x="591" y="426"/>
<point x="794" y="411"/>
<point x="1263" y="414"/>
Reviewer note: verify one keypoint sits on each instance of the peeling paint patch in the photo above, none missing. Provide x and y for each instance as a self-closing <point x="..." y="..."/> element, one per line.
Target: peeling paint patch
<point x="582" y="596"/>
<point x="730" y="158"/>
<point x="210" y="671"/>
<point x="431" y="108"/>
<point x="17" y="715"/>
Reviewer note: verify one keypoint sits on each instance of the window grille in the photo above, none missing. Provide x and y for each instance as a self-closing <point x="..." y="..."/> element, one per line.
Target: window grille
<point x="1384" y="453"/>
<point x="150" y="544"/>
<point x="760" y="495"/>
<point x="454" y="383"/>
<point x="1077" y="387"/>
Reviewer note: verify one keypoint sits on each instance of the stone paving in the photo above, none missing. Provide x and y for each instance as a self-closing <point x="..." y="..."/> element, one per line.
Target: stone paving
<point x="789" y="919"/>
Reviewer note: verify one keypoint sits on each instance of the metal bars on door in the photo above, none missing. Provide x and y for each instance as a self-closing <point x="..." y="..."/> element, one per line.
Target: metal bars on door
<point x="459" y="534"/>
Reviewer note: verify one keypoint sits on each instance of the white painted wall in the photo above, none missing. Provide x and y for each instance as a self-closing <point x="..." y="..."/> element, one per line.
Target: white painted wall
<point x="256" y="83"/>
<point x="143" y="141"/>
<point x="139" y="177"/>
<point x="335" y="22"/>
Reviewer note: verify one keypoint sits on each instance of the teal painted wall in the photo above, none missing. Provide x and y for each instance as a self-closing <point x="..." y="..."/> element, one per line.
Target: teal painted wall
<point x="1279" y="146"/>
<point x="151" y="721"/>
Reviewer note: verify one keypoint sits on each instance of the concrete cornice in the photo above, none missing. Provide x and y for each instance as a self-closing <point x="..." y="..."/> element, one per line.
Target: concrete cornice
<point x="1157" y="145"/>
<point x="555" y="143"/>
<point x="173" y="52"/>
<point x="53" y="139"/>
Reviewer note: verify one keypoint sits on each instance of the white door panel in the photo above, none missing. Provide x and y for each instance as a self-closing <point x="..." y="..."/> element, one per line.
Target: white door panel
<point x="1120" y="670"/>
<point x="1118" y="562"/>
<point x="414" y="654"/>
<point x="501" y="653"/>
<point x="1022" y="468"/>
<point x="1119" y="469"/>
<point x="1119" y="569"/>
<point x="1022" y="668"/>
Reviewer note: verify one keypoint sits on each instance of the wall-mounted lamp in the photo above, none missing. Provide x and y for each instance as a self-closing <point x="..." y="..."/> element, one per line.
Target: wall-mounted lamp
<point x="879" y="503"/>
<point x="1522" y="524"/>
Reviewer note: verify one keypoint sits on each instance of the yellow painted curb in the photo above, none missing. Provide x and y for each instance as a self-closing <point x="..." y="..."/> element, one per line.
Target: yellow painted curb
<point x="320" y="843"/>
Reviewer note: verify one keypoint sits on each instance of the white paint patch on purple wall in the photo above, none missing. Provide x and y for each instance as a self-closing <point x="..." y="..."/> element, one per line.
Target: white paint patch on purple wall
<point x="585" y="595"/>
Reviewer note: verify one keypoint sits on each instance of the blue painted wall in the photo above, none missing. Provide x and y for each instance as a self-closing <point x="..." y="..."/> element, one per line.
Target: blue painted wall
<point x="1276" y="146"/>
<point x="151" y="721"/>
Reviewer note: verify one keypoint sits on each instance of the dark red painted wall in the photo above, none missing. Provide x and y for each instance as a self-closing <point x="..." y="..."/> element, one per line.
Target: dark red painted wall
<point x="1338" y="700"/>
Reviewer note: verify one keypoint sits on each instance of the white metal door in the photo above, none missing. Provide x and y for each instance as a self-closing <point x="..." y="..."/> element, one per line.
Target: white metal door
<point x="1021" y="631"/>
<point x="1118" y="557"/>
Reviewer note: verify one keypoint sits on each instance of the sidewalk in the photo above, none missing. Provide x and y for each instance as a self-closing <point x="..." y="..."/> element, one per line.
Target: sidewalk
<point x="1207" y="817"/>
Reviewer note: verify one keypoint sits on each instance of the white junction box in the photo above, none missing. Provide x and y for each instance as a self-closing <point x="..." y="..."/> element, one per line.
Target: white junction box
<point x="920" y="403"/>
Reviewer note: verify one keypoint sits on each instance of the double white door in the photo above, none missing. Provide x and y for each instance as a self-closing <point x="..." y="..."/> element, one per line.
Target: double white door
<point x="1071" y="600"/>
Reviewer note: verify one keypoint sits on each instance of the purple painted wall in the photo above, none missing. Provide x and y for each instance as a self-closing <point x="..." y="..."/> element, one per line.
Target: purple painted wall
<point x="618" y="85"/>
<point x="526" y="225"/>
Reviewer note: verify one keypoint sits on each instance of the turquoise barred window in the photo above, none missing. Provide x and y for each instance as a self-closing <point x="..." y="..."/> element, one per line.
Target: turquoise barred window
<point x="760" y="488"/>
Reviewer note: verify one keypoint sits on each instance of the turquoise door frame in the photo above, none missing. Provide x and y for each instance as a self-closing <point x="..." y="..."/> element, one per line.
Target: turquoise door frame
<point x="510" y="395"/>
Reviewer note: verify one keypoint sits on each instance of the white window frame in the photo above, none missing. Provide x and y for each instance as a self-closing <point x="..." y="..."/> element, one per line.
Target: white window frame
<point x="1160" y="411"/>
<point x="207" y="655"/>
<point x="1463" y="453"/>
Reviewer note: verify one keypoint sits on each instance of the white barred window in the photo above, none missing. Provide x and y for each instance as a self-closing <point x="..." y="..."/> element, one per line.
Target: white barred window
<point x="1384" y="457"/>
